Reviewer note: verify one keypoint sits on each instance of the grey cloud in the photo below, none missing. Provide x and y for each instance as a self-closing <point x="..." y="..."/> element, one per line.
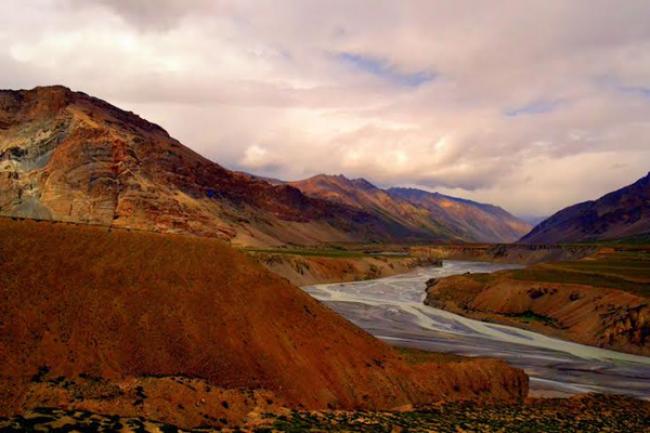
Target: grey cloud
<point x="151" y="14"/>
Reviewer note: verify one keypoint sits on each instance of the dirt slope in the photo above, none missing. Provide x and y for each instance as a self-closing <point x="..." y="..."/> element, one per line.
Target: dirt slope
<point x="116" y="304"/>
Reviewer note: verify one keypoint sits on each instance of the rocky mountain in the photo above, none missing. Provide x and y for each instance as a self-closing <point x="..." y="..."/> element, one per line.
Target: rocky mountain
<point x="67" y="156"/>
<point x="619" y="214"/>
<point x="428" y="214"/>
<point x="364" y="196"/>
<point x="187" y="330"/>
<point x="467" y="219"/>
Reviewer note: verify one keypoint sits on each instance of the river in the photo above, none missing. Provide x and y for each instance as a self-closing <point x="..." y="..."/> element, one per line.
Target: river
<point x="391" y="309"/>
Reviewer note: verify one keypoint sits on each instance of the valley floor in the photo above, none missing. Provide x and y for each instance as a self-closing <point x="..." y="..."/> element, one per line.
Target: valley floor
<point x="595" y="294"/>
<point x="353" y="262"/>
<point x="584" y="413"/>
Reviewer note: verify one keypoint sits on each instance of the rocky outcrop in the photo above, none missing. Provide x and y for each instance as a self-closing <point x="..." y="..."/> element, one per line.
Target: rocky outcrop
<point x="120" y="306"/>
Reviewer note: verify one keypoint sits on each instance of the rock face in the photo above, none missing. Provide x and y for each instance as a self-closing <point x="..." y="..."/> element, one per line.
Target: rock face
<point x="70" y="157"/>
<point x="420" y="213"/>
<point x="95" y="302"/>
<point x="619" y="214"/>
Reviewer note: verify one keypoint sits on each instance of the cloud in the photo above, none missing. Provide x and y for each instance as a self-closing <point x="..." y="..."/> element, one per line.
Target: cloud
<point x="533" y="105"/>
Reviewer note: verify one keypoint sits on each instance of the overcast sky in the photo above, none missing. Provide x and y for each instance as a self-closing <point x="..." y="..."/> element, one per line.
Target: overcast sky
<point x="532" y="105"/>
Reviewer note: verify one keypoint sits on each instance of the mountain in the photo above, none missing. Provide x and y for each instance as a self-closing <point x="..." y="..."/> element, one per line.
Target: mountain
<point x="364" y="196"/>
<point x="467" y="219"/>
<point x="67" y="156"/>
<point x="428" y="214"/>
<point x="87" y="310"/>
<point x="619" y="214"/>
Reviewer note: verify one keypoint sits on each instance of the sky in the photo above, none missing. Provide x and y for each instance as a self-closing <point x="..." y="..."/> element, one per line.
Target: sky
<point x="531" y="105"/>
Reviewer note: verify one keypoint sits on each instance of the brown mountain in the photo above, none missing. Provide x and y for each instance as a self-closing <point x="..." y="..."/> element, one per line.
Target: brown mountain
<point x="362" y="195"/>
<point x="619" y="214"/>
<point x="427" y="214"/>
<point x="81" y="305"/>
<point x="67" y="156"/>
<point x="467" y="219"/>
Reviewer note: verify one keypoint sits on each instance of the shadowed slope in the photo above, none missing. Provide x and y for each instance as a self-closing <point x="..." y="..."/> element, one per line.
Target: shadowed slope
<point x="619" y="214"/>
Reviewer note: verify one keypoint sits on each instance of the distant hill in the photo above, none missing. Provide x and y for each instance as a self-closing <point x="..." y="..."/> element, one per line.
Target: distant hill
<point x="360" y="194"/>
<point x="429" y="214"/>
<point x="467" y="219"/>
<point x="620" y="214"/>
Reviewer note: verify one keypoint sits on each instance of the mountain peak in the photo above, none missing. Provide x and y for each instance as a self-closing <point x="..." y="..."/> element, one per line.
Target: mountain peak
<point x="340" y="180"/>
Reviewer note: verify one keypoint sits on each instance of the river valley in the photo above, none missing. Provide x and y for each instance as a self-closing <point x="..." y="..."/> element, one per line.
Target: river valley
<point x="391" y="308"/>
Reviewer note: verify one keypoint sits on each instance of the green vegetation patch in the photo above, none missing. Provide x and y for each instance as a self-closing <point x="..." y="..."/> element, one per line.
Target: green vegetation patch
<point x="564" y="274"/>
<point x="531" y="317"/>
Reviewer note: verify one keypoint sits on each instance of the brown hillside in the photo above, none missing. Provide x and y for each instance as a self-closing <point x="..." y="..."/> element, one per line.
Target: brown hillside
<point x="118" y="304"/>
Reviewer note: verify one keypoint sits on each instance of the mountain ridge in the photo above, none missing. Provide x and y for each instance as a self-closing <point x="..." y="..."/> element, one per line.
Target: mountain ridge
<point x="624" y="212"/>
<point x="68" y="156"/>
<point x="444" y="216"/>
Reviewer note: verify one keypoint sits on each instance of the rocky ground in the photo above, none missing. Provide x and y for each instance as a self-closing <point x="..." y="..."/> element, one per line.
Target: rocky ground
<point x="587" y="413"/>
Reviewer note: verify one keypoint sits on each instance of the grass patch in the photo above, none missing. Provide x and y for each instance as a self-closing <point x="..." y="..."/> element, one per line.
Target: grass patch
<point x="531" y="317"/>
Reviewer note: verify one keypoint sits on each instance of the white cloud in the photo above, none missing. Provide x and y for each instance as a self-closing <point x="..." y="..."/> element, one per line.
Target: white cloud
<point x="403" y="93"/>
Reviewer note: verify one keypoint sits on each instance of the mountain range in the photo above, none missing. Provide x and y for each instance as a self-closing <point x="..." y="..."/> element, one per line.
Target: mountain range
<point x="426" y="213"/>
<point x="68" y="156"/>
<point x="623" y="213"/>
